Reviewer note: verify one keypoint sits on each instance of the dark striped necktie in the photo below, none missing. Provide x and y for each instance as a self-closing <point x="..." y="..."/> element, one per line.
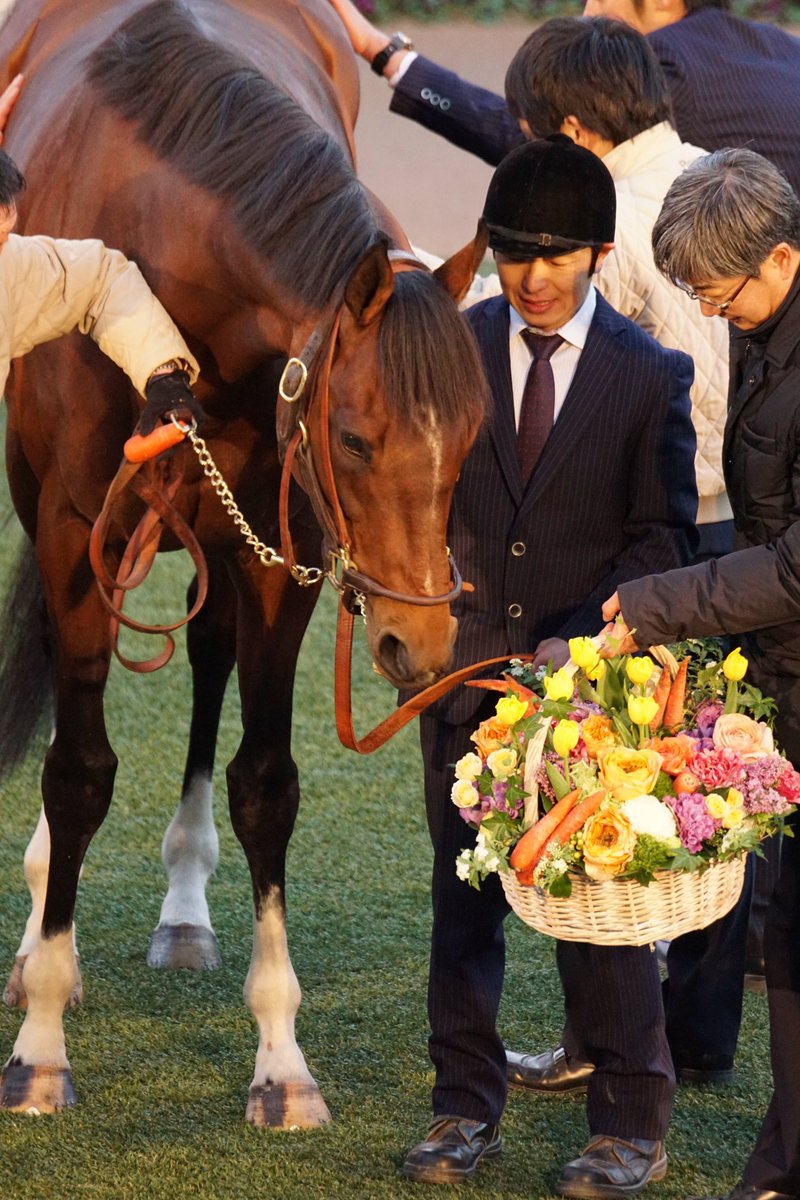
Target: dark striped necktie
<point x="537" y="411"/>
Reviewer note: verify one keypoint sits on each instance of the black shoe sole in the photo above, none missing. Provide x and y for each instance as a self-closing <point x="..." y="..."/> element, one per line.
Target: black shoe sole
<point x="697" y="1077"/>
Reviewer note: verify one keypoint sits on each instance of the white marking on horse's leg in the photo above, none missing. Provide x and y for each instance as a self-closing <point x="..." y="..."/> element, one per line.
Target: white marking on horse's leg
<point x="272" y="993"/>
<point x="190" y="853"/>
<point x="50" y="975"/>
<point x="36" y="866"/>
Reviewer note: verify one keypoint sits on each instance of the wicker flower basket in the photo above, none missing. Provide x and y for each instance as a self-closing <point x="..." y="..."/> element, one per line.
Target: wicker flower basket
<point x="621" y="912"/>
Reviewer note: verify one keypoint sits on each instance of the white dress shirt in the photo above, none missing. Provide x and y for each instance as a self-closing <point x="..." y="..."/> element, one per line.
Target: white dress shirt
<point x="564" y="360"/>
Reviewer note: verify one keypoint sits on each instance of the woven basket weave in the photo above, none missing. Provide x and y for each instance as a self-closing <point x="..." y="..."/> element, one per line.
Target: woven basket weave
<point x="621" y="912"/>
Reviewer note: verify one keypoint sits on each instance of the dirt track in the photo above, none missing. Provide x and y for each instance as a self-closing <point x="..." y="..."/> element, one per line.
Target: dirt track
<point x="434" y="189"/>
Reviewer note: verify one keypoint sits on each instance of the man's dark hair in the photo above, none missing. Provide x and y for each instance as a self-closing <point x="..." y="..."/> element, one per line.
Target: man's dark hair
<point x="596" y="69"/>
<point x="694" y="5"/>
<point x="12" y="181"/>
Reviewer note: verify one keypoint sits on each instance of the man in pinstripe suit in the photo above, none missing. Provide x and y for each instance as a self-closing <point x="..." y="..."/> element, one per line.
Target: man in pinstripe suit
<point x="612" y="490"/>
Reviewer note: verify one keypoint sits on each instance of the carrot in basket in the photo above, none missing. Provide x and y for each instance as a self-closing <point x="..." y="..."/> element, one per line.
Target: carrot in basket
<point x="673" y="712"/>
<point x="577" y="817"/>
<point x="661" y="695"/>
<point x="530" y="846"/>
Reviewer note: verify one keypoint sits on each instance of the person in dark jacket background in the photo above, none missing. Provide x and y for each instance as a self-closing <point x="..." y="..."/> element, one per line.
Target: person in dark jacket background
<point x="729" y="235"/>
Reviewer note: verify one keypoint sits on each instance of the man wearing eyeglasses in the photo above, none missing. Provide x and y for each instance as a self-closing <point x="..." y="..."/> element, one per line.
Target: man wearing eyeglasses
<point x="729" y="235"/>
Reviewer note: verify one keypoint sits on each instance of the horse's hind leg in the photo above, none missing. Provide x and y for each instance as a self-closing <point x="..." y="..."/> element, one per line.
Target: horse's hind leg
<point x="184" y="936"/>
<point x="264" y="794"/>
<point x="77" y="785"/>
<point x="36" y="863"/>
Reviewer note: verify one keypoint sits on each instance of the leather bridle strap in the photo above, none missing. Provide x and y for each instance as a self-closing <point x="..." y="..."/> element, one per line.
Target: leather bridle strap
<point x="406" y="712"/>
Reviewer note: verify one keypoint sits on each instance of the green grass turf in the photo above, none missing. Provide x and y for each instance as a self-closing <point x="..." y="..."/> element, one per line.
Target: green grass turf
<point x="162" y="1061"/>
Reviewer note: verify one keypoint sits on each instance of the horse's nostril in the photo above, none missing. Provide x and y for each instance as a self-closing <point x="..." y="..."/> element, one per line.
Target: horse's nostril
<point x="393" y="657"/>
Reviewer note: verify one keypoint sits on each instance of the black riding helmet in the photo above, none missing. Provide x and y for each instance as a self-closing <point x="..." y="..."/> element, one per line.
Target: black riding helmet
<point x="549" y="197"/>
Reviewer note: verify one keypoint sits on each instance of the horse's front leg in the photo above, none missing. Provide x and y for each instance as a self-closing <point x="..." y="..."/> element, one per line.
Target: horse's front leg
<point x="36" y="864"/>
<point x="77" y="784"/>
<point x="185" y="936"/>
<point x="264" y="795"/>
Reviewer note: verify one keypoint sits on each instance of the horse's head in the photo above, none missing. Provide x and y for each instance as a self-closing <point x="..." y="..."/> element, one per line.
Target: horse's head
<point x="406" y="396"/>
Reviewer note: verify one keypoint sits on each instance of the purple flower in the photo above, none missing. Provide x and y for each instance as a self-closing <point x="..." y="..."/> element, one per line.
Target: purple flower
<point x="758" y="786"/>
<point x="695" y="824"/>
<point x="706" y="717"/>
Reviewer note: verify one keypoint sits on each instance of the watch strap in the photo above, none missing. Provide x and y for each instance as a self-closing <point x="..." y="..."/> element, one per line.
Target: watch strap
<point x="398" y="41"/>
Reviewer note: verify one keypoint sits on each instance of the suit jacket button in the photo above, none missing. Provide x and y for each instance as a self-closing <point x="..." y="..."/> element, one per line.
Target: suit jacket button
<point x="515" y="610"/>
<point x="518" y="549"/>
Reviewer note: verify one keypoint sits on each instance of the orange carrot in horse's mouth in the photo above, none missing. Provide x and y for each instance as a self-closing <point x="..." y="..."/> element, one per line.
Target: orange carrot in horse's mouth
<point x="530" y="847"/>
<point x="140" y="449"/>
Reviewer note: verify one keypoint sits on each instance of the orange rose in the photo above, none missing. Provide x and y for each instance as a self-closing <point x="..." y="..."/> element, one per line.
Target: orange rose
<point x="627" y="772"/>
<point x="490" y="736"/>
<point x="676" y="752"/>
<point x="598" y="733"/>
<point x="608" y="843"/>
<point x="750" y="739"/>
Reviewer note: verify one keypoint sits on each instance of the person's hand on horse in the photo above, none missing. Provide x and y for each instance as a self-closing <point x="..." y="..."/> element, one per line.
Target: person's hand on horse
<point x="168" y="392"/>
<point x="365" y="39"/>
<point x="7" y="101"/>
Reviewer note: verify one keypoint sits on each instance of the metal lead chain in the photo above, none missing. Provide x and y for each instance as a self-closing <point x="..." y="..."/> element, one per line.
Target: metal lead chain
<point x="269" y="557"/>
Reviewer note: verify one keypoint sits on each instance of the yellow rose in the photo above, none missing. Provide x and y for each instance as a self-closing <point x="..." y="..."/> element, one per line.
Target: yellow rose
<point x="510" y="710"/>
<point x="596" y="673"/>
<point x="559" y="685"/>
<point x="716" y="806"/>
<point x="463" y="794"/>
<point x="490" y="735"/>
<point x="735" y="665"/>
<point x="565" y="737"/>
<point x="608" y="843"/>
<point x="639" y="670"/>
<point x="750" y="739"/>
<point x="642" y="709"/>
<point x="469" y="767"/>
<point x="730" y="812"/>
<point x="502" y="763"/>
<point x="583" y="653"/>
<point x="628" y="773"/>
<point x="598" y="734"/>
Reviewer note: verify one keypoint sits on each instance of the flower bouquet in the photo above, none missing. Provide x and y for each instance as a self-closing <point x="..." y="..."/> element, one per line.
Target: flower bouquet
<point x="618" y="797"/>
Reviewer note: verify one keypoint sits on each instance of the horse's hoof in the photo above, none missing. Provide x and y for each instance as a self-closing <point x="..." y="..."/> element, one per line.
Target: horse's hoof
<point x="184" y="947"/>
<point x="286" y="1106"/>
<point x="36" y="1090"/>
<point x="15" y="995"/>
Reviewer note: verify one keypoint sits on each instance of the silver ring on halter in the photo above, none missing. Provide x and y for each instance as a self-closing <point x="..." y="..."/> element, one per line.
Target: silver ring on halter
<point x="293" y="395"/>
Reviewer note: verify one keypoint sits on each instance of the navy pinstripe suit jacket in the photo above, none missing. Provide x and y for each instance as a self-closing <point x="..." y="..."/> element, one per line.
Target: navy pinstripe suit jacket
<point x="612" y="497"/>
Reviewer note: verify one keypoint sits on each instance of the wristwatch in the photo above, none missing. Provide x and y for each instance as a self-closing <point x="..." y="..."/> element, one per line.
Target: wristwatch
<point x="398" y="41"/>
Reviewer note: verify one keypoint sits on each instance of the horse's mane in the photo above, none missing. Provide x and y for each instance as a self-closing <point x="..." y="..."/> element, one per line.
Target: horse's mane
<point x="292" y="191"/>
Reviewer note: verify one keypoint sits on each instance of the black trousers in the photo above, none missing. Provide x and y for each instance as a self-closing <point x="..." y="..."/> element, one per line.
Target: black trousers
<point x="612" y="994"/>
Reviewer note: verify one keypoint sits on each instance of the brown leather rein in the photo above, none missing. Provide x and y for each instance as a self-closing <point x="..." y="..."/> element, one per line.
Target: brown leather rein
<point x="305" y="378"/>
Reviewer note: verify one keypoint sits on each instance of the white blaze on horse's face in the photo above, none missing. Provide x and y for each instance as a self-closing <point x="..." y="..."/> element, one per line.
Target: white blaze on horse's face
<point x="8" y="222"/>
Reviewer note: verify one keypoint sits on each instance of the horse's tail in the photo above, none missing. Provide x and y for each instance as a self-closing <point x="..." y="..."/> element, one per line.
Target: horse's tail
<point x="26" y="684"/>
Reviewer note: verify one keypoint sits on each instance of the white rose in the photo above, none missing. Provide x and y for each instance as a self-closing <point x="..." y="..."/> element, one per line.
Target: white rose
<point x="464" y="794"/>
<point x="647" y="814"/>
<point x="469" y="767"/>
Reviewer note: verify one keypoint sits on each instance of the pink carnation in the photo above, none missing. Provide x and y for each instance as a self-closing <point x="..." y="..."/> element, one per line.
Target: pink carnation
<point x="718" y="768"/>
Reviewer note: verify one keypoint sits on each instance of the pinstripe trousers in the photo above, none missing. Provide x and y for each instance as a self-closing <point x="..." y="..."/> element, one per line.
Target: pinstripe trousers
<point x="612" y="994"/>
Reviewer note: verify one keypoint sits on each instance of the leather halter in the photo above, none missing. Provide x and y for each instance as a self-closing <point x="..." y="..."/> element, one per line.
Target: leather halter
<point x="306" y="380"/>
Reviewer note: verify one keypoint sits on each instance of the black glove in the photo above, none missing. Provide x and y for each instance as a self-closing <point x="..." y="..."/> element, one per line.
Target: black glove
<point x="167" y="393"/>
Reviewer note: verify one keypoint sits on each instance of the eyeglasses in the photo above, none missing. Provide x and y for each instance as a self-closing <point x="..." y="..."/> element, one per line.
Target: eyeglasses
<point x="725" y="305"/>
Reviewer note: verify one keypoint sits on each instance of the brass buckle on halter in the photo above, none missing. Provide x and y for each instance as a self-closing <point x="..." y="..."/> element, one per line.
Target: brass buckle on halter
<point x="340" y="562"/>
<point x="288" y="392"/>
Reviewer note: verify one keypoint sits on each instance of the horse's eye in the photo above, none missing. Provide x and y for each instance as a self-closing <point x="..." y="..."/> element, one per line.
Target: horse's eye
<point x="353" y="444"/>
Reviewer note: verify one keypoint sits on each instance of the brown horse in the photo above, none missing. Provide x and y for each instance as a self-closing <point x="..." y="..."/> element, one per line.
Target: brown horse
<point x="212" y="144"/>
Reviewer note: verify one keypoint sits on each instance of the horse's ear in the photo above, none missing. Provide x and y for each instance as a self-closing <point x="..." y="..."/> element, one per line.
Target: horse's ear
<point x="371" y="284"/>
<point x="458" y="272"/>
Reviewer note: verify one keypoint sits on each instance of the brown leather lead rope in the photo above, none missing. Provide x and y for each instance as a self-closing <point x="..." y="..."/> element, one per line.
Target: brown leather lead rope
<point x="138" y="558"/>
<point x="406" y="712"/>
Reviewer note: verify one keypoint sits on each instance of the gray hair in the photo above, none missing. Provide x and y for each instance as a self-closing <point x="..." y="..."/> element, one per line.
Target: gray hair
<point x="723" y="216"/>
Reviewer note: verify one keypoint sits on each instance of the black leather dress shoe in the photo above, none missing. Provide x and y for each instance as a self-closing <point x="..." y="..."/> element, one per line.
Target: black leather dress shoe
<point x="452" y="1150"/>
<point x="613" y="1167"/>
<point x="551" y="1072"/>
<point x="746" y="1191"/>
